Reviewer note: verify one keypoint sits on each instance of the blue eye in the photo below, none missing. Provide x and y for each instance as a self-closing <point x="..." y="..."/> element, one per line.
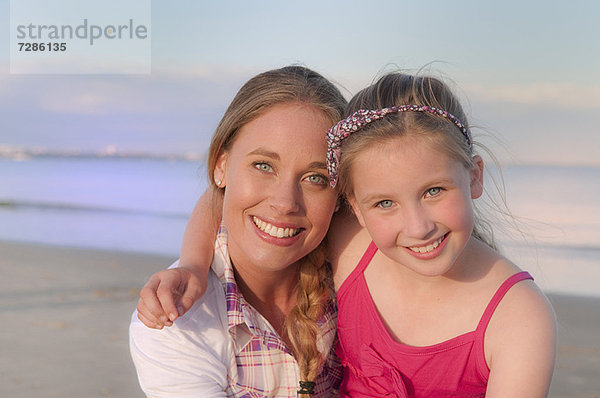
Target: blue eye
<point x="385" y="204"/>
<point x="434" y="191"/>
<point x="317" y="179"/>
<point x="263" y="166"/>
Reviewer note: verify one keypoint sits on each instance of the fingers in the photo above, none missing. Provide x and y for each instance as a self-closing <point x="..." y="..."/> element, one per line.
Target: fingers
<point x="194" y="290"/>
<point x="168" y="295"/>
<point x="149" y="322"/>
<point x="150" y="310"/>
<point x="167" y="292"/>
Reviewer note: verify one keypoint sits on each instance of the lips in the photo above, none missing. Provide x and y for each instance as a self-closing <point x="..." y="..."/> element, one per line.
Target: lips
<point x="428" y="248"/>
<point x="274" y="231"/>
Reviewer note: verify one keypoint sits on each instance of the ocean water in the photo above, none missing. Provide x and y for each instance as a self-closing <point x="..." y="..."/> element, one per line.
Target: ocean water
<point x="558" y="211"/>
<point x="139" y="205"/>
<point x="142" y="205"/>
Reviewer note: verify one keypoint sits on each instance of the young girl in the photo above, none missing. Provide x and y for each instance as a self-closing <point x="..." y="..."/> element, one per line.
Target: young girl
<point x="430" y="308"/>
<point x="427" y="306"/>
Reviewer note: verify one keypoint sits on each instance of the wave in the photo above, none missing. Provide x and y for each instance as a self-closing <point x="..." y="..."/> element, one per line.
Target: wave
<point x="75" y="207"/>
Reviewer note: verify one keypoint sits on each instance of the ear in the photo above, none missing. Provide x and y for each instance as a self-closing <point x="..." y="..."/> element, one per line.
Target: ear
<point x="219" y="171"/>
<point x="477" y="177"/>
<point x="338" y="203"/>
<point x="356" y="210"/>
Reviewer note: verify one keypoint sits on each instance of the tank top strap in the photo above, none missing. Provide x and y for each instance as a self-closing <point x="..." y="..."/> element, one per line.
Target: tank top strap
<point x="478" y="348"/>
<point x="360" y="267"/>
<point x="498" y="296"/>
<point x="357" y="272"/>
<point x="366" y="258"/>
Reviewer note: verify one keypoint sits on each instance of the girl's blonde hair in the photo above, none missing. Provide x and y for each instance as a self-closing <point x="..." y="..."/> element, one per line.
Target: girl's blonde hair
<point x="287" y="85"/>
<point x="395" y="89"/>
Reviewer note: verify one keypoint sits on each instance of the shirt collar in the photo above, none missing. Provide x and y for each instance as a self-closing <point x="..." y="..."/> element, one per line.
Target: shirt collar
<point x="243" y="320"/>
<point x="240" y="314"/>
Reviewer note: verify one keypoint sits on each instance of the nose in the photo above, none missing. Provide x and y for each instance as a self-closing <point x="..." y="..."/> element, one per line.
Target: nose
<point x="286" y="196"/>
<point x="418" y="223"/>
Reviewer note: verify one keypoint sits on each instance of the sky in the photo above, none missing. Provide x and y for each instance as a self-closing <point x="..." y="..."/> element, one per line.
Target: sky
<point x="527" y="71"/>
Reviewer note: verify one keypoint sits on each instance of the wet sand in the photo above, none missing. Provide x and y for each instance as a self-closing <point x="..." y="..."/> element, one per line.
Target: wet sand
<point x="65" y="315"/>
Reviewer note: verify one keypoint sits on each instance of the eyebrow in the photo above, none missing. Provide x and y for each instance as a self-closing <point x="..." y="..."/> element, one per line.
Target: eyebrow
<point x="318" y="165"/>
<point x="372" y="198"/>
<point x="275" y="156"/>
<point x="264" y="152"/>
<point x="441" y="181"/>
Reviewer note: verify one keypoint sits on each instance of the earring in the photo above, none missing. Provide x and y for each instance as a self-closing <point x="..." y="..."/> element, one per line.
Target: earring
<point x="218" y="182"/>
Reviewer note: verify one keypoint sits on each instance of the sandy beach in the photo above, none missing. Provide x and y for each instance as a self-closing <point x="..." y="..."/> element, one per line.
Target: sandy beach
<point x="65" y="314"/>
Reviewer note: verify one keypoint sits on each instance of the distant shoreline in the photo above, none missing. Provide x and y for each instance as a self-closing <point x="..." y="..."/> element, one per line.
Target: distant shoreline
<point x="19" y="153"/>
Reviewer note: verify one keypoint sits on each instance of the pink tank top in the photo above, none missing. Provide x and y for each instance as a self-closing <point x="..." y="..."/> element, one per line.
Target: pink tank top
<point x="375" y="365"/>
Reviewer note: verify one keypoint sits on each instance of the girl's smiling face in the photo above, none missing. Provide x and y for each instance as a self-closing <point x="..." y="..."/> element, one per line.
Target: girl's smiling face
<point x="277" y="205"/>
<point x="416" y="202"/>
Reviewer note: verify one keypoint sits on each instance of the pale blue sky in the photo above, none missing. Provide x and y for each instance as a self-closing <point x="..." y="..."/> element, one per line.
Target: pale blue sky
<point x="528" y="69"/>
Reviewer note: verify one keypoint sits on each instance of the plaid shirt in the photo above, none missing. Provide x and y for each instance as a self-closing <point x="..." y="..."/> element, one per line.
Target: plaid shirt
<point x="263" y="365"/>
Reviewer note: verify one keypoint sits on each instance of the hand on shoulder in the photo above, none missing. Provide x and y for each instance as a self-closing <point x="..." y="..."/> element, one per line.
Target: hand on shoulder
<point x="169" y="294"/>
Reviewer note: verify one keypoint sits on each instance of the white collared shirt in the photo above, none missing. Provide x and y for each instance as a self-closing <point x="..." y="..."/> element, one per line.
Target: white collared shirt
<point x="223" y="347"/>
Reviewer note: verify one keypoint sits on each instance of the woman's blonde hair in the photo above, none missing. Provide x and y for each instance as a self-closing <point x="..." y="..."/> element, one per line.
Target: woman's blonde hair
<point x="396" y="89"/>
<point x="285" y="85"/>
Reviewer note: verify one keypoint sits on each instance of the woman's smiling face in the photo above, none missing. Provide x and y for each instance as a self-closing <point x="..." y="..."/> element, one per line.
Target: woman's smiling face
<point x="277" y="205"/>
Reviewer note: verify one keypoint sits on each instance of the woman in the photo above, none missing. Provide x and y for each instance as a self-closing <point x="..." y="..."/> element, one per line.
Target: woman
<point x="266" y="325"/>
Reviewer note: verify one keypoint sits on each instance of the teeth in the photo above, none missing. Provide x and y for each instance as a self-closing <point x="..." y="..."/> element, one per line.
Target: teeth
<point x="273" y="230"/>
<point x="428" y="248"/>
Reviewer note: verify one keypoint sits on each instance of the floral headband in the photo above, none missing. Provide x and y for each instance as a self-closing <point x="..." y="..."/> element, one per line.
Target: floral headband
<point x="342" y="130"/>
